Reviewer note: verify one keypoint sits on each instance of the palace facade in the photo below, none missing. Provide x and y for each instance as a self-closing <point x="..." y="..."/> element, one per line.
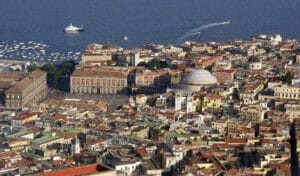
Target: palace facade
<point x="28" y="91"/>
<point x="99" y="81"/>
<point x="287" y="92"/>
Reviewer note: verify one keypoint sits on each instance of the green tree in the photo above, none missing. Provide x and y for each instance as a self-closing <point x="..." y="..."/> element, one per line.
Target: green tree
<point x="151" y="101"/>
<point x="109" y="63"/>
<point x="67" y="67"/>
<point x="32" y="67"/>
<point x="156" y="64"/>
<point x="143" y="64"/>
<point x="53" y="75"/>
<point x="278" y="55"/>
<point x="287" y="78"/>
<point x="57" y="75"/>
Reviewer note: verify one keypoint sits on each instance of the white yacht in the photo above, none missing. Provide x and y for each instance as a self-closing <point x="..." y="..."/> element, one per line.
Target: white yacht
<point x="72" y="29"/>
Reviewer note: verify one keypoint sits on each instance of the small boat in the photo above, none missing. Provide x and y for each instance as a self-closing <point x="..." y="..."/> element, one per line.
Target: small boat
<point x="73" y="29"/>
<point x="125" y="38"/>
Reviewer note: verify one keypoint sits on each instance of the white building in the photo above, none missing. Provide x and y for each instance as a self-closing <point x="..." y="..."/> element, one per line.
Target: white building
<point x="126" y="169"/>
<point x="134" y="58"/>
<point x="171" y="49"/>
<point x="276" y="39"/>
<point x="184" y="102"/>
<point x="75" y="146"/>
<point x="255" y="65"/>
<point x="296" y="81"/>
<point x="225" y="64"/>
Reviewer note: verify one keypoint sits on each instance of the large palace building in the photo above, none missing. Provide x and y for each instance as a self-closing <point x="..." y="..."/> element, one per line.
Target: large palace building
<point x="28" y="91"/>
<point x="7" y="79"/>
<point x="99" y="80"/>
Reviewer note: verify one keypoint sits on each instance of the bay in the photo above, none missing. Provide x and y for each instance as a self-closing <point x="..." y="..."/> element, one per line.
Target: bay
<point x="144" y="21"/>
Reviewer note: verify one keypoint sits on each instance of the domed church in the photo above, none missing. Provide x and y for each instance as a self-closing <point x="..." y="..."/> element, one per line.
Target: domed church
<point x="198" y="79"/>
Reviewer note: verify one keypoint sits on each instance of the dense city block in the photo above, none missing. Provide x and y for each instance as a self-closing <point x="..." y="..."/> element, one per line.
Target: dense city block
<point x="228" y="108"/>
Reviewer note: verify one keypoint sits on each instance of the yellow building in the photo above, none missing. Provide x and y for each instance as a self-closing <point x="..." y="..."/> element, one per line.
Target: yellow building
<point x="96" y="58"/>
<point x="141" y="99"/>
<point x="219" y="124"/>
<point x="18" y="144"/>
<point x="98" y="80"/>
<point x="49" y="139"/>
<point x="213" y="101"/>
<point x="298" y="58"/>
<point x="24" y="118"/>
<point x="292" y="110"/>
<point x="30" y="90"/>
<point x="249" y="92"/>
<point x="140" y="132"/>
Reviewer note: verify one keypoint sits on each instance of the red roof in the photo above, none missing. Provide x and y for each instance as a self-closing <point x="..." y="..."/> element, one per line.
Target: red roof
<point x="7" y="154"/>
<point x="214" y="97"/>
<point x="76" y="171"/>
<point x="60" y="116"/>
<point x="102" y="127"/>
<point x="22" y="163"/>
<point x="286" y="46"/>
<point x="235" y="140"/>
<point x="142" y="151"/>
<point x="231" y="172"/>
<point x="225" y="70"/>
<point x="25" y="115"/>
<point x="253" y="86"/>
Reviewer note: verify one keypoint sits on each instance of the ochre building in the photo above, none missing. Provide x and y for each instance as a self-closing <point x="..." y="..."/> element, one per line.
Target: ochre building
<point x="99" y="81"/>
<point x="28" y="91"/>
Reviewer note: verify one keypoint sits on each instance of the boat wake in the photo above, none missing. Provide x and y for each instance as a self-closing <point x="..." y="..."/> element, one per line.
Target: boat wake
<point x="197" y="30"/>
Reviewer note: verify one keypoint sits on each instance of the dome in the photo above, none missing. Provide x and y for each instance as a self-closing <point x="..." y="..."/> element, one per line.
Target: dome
<point x="199" y="77"/>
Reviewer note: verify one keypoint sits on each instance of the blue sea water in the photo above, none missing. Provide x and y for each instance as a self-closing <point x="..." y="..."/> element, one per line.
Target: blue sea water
<point x="144" y="21"/>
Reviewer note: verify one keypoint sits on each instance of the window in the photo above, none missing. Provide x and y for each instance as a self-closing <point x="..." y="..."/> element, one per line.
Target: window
<point x="92" y="82"/>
